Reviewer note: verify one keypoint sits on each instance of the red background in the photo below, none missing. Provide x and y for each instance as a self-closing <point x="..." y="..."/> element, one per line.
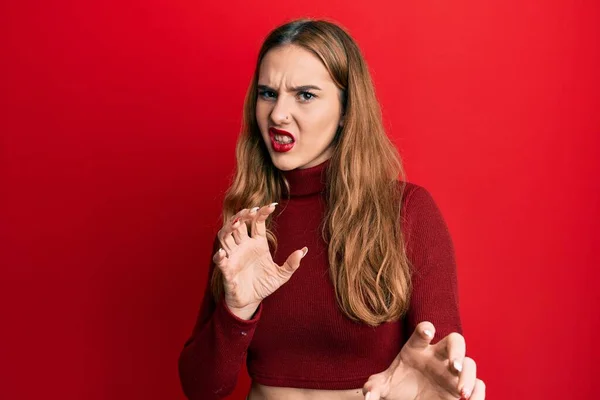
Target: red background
<point x="118" y="126"/>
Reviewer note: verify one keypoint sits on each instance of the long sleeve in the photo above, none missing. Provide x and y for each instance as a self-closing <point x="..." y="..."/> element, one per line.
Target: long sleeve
<point x="211" y="359"/>
<point x="431" y="253"/>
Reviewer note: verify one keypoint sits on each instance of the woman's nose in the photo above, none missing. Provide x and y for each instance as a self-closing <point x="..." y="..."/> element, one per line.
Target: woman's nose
<point x="280" y="114"/>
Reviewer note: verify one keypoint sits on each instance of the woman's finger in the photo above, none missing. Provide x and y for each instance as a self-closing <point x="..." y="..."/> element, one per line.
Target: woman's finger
<point x="258" y="226"/>
<point x="227" y="241"/>
<point x="225" y="234"/>
<point x="422" y="336"/>
<point x="468" y="377"/>
<point x="220" y="258"/>
<point x="377" y="386"/>
<point x="478" y="391"/>
<point x="453" y="347"/>
<point x="373" y="395"/>
<point x="241" y="233"/>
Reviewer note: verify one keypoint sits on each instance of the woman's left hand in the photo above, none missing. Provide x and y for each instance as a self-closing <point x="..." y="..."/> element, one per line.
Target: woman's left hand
<point x="423" y="371"/>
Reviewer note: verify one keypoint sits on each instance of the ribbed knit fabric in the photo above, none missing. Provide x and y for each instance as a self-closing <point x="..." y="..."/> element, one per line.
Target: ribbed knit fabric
<point x="298" y="336"/>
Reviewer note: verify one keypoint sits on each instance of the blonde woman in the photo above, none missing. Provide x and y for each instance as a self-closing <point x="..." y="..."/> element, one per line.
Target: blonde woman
<point x="332" y="277"/>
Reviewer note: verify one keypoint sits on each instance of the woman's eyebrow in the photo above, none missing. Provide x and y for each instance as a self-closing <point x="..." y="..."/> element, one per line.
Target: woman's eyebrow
<point x="293" y="89"/>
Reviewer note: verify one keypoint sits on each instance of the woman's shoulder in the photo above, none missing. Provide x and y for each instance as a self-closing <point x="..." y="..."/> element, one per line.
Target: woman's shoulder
<point x="418" y="202"/>
<point x="413" y="192"/>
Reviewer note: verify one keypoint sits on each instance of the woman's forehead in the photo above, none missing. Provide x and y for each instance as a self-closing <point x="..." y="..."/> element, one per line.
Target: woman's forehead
<point x="292" y="66"/>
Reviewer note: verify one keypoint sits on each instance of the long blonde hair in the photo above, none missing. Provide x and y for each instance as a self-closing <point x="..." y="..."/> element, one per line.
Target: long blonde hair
<point x="367" y="258"/>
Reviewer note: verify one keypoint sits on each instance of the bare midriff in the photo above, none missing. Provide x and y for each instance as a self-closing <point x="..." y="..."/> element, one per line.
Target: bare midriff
<point x="261" y="392"/>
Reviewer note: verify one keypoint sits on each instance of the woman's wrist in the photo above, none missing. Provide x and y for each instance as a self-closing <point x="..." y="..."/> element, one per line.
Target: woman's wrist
<point x="246" y="313"/>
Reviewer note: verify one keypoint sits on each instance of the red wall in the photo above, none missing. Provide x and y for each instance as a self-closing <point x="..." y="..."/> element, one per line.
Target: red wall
<point x="118" y="126"/>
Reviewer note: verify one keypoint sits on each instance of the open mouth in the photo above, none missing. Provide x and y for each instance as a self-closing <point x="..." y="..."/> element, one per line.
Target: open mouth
<point x="281" y="141"/>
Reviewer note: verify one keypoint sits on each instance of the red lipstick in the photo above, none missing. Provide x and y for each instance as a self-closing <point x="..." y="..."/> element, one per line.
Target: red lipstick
<point x="279" y="146"/>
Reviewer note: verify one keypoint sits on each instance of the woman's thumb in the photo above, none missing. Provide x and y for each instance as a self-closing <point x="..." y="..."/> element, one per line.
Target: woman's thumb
<point x="376" y="386"/>
<point x="293" y="261"/>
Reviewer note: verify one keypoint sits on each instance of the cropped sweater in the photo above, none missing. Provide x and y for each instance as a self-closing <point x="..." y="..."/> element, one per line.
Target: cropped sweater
<point x="298" y="336"/>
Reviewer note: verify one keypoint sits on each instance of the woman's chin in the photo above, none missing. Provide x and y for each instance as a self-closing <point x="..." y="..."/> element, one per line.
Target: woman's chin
<point x="284" y="162"/>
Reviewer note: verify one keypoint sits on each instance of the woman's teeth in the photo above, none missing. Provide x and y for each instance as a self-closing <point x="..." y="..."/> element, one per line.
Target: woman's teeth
<point x="283" y="139"/>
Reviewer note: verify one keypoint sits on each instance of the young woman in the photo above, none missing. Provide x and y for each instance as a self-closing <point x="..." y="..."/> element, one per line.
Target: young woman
<point x="332" y="276"/>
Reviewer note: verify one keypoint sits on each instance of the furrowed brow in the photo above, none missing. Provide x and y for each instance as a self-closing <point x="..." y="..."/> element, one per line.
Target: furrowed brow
<point x="304" y="88"/>
<point x="265" y="87"/>
<point x="293" y="89"/>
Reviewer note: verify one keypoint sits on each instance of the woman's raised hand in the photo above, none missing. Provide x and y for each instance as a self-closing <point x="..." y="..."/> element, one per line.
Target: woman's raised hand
<point x="423" y="371"/>
<point x="249" y="272"/>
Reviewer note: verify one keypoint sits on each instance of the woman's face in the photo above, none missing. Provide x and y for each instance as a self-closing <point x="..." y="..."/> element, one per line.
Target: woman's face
<point x="298" y="108"/>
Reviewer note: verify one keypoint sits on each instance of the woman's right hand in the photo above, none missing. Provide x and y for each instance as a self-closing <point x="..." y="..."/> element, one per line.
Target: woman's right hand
<point x="249" y="273"/>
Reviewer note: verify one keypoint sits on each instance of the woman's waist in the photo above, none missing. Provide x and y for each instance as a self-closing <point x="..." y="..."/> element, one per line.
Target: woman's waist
<point x="264" y="392"/>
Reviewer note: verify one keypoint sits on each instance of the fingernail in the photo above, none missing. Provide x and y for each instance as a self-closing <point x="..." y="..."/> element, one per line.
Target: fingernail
<point x="465" y="393"/>
<point x="255" y="209"/>
<point x="304" y="251"/>
<point x="367" y="395"/>
<point x="273" y="204"/>
<point x="457" y="366"/>
<point x="428" y="333"/>
<point x="221" y="251"/>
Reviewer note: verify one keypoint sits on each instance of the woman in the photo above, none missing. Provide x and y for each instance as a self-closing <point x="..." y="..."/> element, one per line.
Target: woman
<point x="353" y="317"/>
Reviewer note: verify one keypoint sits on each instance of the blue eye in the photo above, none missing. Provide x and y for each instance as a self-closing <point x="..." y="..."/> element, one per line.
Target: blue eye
<point x="306" y="96"/>
<point x="267" y="94"/>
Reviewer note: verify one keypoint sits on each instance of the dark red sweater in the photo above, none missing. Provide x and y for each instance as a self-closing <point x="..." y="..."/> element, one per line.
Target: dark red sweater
<point x="298" y="336"/>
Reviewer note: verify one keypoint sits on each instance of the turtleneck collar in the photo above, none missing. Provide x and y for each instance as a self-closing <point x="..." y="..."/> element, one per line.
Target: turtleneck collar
<point x="307" y="181"/>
